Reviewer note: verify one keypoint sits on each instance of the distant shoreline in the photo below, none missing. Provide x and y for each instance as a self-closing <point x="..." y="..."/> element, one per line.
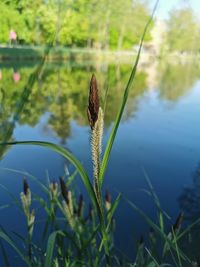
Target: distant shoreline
<point x="35" y="53"/>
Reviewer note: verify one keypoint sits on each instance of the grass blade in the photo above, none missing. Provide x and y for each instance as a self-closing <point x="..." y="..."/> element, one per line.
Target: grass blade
<point x="5" y="256"/>
<point x="162" y="213"/>
<point x="125" y="97"/>
<point x="66" y="154"/>
<point x="159" y="231"/>
<point x="6" y="238"/>
<point x="50" y="248"/>
<point x="112" y="210"/>
<point x="26" y="174"/>
<point x="188" y="229"/>
<point x="69" y="156"/>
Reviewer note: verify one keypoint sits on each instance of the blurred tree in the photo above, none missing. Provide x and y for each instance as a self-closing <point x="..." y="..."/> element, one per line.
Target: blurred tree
<point x="127" y="23"/>
<point x="183" y="31"/>
<point x="97" y="24"/>
<point x="175" y="80"/>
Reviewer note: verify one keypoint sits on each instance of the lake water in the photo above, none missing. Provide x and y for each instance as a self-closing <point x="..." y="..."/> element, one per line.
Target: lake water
<point x="159" y="133"/>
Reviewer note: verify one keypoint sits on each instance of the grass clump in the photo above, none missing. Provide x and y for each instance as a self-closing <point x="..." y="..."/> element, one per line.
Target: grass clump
<point x="70" y="233"/>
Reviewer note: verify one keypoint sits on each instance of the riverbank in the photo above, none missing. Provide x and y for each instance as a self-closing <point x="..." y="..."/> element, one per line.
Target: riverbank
<point x="30" y="53"/>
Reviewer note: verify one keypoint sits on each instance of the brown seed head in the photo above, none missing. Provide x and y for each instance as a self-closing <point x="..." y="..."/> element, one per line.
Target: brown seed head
<point x="54" y="185"/>
<point x="178" y="222"/>
<point x="64" y="190"/>
<point x="93" y="105"/>
<point x="108" y="197"/>
<point x="25" y="187"/>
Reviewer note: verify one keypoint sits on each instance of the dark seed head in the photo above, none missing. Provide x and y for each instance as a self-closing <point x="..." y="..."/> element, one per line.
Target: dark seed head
<point x="141" y="241"/>
<point x="93" y="105"/>
<point x="25" y="187"/>
<point x="108" y="197"/>
<point x="80" y="205"/>
<point x="178" y="222"/>
<point x="64" y="190"/>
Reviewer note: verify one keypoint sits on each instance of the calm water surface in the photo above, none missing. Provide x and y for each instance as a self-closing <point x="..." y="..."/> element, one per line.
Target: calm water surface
<point x="159" y="133"/>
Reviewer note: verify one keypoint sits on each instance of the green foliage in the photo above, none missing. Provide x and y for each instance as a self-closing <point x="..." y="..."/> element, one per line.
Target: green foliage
<point x="176" y="79"/>
<point x="97" y="24"/>
<point x="183" y="31"/>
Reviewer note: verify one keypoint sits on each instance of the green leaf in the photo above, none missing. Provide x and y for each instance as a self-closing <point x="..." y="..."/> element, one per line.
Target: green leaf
<point x="70" y="178"/>
<point x="112" y="210"/>
<point x="50" y="248"/>
<point x="123" y="104"/>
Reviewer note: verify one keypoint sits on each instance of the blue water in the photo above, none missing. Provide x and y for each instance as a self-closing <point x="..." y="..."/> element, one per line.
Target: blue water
<point x="158" y="135"/>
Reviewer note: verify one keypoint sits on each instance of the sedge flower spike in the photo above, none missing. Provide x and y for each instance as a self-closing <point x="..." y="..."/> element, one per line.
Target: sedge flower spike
<point x="26" y="204"/>
<point x="96" y="120"/>
<point x="64" y="190"/>
<point x="93" y="105"/>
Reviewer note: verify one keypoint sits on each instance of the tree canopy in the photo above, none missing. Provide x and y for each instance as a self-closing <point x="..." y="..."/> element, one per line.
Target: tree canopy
<point x="98" y="24"/>
<point x="183" y="31"/>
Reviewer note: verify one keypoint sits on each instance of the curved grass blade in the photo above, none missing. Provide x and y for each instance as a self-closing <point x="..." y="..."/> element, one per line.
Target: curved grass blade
<point x="50" y="248"/>
<point x="188" y="229"/>
<point x="88" y="242"/>
<point x="110" y="216"/>
<point x="177" y="250"/>
<point x="71" y="178"/>
<point x="5" y="256"/>
<point x="15" y="200"/>
<point x="161" y="212"/>
<point x="6" y="238"/>
<point x="123" y="104"/>
<point x="26" y="174"/>
<point x="112" y="210"/>
<point x="68" y="155"/>
<point x="159" y="231"/>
